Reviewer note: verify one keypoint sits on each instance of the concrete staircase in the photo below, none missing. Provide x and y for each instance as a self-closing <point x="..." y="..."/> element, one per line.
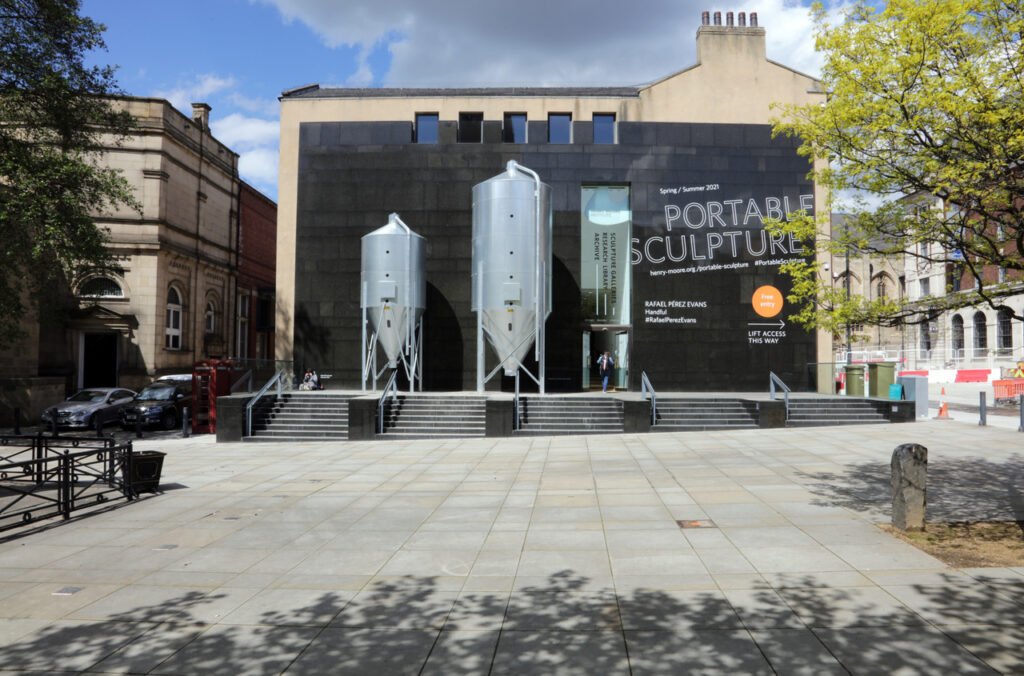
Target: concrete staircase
<point x="544" y="416"/>
<point x="695" y="415"/>
<point x="823" y="412"/>
<point x="411" y="416"/>
<point x="301" y="416"/>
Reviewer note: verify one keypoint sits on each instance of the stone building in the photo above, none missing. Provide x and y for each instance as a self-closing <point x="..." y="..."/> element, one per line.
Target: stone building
<point x="685" y="166"/>
<point x="179" y="269"/>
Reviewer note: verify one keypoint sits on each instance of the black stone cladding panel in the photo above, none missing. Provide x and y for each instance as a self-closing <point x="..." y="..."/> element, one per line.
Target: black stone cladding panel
<point x="447" y="132"/>
<point x="492" y="131"/>
<point x="353" y="174"/>
<point x="582" y="133"/>
<point x="536" y="132"/>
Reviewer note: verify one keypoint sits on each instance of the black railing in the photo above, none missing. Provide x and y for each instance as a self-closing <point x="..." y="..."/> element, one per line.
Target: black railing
<point x="46" y="477"/>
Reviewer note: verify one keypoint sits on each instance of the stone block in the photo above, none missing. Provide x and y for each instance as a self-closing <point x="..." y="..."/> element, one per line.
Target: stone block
<point x="909" y="486"/>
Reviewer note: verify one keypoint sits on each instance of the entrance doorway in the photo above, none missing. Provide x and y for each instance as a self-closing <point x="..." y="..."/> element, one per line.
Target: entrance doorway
<point x="98" y="364"/>
<point x="598" y="339"/>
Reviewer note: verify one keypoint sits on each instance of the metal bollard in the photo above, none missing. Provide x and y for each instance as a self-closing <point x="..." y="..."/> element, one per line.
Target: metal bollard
<point x="186" y="424"/>
<point x="982" y="410"/>
<point x="1020" y="407"/>
<point x="138" y="427"/>
<point x="53" y="426"/>
<point x="17" y="421"/>
<point x="98" y="424"/>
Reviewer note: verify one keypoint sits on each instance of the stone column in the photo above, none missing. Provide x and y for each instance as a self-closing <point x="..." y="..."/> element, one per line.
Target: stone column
<point x="909" y="486"/>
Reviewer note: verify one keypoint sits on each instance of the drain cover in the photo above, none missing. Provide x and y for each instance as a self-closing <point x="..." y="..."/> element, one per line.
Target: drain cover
<point x="696" y="523"/>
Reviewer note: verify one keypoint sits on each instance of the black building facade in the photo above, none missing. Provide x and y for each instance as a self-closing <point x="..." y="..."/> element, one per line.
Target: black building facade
<point x="660" y="255"/>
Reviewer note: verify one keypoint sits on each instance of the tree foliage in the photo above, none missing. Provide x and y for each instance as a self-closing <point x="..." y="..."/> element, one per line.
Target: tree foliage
<point x="55" y="111"/>
<point x="925" y="114"/>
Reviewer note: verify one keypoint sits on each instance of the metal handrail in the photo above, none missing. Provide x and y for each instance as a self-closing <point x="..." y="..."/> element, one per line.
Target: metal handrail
<point x="247" y="379"/>
<point x="647" y="388"/>
<point x="774" y="380"/>
<point x="278" y="379"/>
<point x="515" y="405"/>
<point x="392" y="389"/>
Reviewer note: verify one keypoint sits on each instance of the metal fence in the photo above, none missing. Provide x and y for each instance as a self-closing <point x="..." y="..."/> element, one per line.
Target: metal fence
<point x="44" y="477"/>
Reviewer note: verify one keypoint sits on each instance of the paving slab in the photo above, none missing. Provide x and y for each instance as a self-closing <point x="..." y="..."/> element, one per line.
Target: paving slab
<point x="721" y="552"/>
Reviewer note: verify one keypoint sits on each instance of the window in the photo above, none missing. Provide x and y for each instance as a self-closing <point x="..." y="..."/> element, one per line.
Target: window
<point x="101" y="287"/>
<point x="1002" y="274"/>
<point x="242" y="327"/>
<point x="980" y="335"/>
<point x="926" y="286"/>
<point x="210" y="321"/>
<point x="881" y="289"/>
<point x="604" y="128"/>
<point x="172" y="326"/>
<point x="958" y="337"/>
<point x="426" y="127"/>
<point x="559" y="128"/>
<point x="1004" y="332"/>
<point x="471" y="127"/>
<point x="514" y="128"/>
<point x="926" y="340"/>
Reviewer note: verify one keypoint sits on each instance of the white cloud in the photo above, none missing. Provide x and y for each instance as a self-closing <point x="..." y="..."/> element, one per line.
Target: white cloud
<point x="259" y="167"/>
<point x="240" y="132"/>
<point x="198" y="90"/>
<point x="538" y="42"/>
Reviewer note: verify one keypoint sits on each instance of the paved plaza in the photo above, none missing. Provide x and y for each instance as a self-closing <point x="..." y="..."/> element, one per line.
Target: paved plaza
<point x="714" y="553"/>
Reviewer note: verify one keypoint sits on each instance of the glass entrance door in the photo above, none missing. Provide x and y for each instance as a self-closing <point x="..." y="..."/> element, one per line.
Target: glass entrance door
<point x="610" y="338"/>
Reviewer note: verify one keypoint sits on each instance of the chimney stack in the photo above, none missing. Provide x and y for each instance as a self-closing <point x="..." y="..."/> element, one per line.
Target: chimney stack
<point x="201" y="115"/>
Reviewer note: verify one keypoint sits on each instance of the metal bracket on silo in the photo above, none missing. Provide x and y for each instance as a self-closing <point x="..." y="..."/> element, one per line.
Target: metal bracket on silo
<point x="500" y="275"/>
<point x="392" y="299"/>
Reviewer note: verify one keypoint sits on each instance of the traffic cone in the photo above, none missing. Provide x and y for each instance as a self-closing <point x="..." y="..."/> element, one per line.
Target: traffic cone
<point x="943" y="406"/>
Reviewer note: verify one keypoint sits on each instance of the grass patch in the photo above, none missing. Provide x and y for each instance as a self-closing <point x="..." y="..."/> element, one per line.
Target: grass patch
<point x="970" y="544"/>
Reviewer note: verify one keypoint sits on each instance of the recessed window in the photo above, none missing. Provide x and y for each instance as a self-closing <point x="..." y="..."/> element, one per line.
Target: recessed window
<point x="514" y="129"/>
<point x="980" y="335"/>
<point x="1004" y="332"/>
<point x="471" y="127"/>
<point x="242" y="327"/>
<point x="926" y="286"/>
<point x="958" y="337"/>
<point x="426" y="127"/>
<point x="172" y="324"/>
<point x="559" y="128"/>
<point x="101" y="287"/>
<point x="210" y="319"/>
<point x="604" y="128"/>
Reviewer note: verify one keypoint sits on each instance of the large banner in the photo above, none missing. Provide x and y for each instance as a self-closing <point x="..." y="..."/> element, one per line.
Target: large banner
<point x="709" y="302"/>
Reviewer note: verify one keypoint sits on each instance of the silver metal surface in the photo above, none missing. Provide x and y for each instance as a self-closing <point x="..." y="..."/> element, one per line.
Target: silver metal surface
<point x="393" y="295"/>
<point x="511" y="289"/>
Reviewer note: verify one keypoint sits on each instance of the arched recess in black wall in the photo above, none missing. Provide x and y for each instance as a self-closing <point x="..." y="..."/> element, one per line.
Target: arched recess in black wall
<point x="442" y="344"/>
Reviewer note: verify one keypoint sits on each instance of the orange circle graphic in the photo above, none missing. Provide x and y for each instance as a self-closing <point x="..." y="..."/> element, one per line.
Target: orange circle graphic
<point x="767" y="301"/>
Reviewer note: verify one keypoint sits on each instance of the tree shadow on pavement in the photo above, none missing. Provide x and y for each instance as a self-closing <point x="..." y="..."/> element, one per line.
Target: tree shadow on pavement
<point x="958" y="490"/>
<point x="566" y="624"/>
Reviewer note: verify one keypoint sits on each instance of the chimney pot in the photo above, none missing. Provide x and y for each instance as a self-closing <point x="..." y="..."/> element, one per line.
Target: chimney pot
<point x="753" y="18"/>
<point x="718" y="18"/>
<point x="705" y="18"/>
<point x="743" y="18"/>
<point x="728" y="19"/>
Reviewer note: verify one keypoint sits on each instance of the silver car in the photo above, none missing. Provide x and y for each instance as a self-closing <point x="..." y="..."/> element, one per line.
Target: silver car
<point x="89" y="407"/>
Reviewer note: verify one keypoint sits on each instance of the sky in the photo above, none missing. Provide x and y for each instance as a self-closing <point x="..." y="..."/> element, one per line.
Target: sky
<point x="238" y="56"/>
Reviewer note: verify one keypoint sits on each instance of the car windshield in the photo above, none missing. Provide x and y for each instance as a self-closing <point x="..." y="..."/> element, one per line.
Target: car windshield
<point x="89" y="395"/>
<point x="154" y="393"/>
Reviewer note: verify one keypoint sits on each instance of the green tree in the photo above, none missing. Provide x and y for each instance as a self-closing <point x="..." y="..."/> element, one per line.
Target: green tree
<point x="925" y="115"/>
<point x="55" y="113"/>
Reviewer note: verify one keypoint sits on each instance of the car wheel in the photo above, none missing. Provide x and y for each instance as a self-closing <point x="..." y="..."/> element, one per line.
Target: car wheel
<point x="168" y="420"/>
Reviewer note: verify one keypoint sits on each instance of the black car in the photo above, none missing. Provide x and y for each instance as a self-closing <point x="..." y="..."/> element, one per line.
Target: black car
<point x="158" y="404"/>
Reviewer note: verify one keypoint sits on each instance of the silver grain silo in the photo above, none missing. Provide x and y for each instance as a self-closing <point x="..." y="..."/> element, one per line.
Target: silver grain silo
<point x="393" y="298"/>
<point x="511" y="269"/>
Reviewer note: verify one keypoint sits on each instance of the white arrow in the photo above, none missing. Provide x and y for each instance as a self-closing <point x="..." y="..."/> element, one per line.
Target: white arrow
<point x="781" y="324"/>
